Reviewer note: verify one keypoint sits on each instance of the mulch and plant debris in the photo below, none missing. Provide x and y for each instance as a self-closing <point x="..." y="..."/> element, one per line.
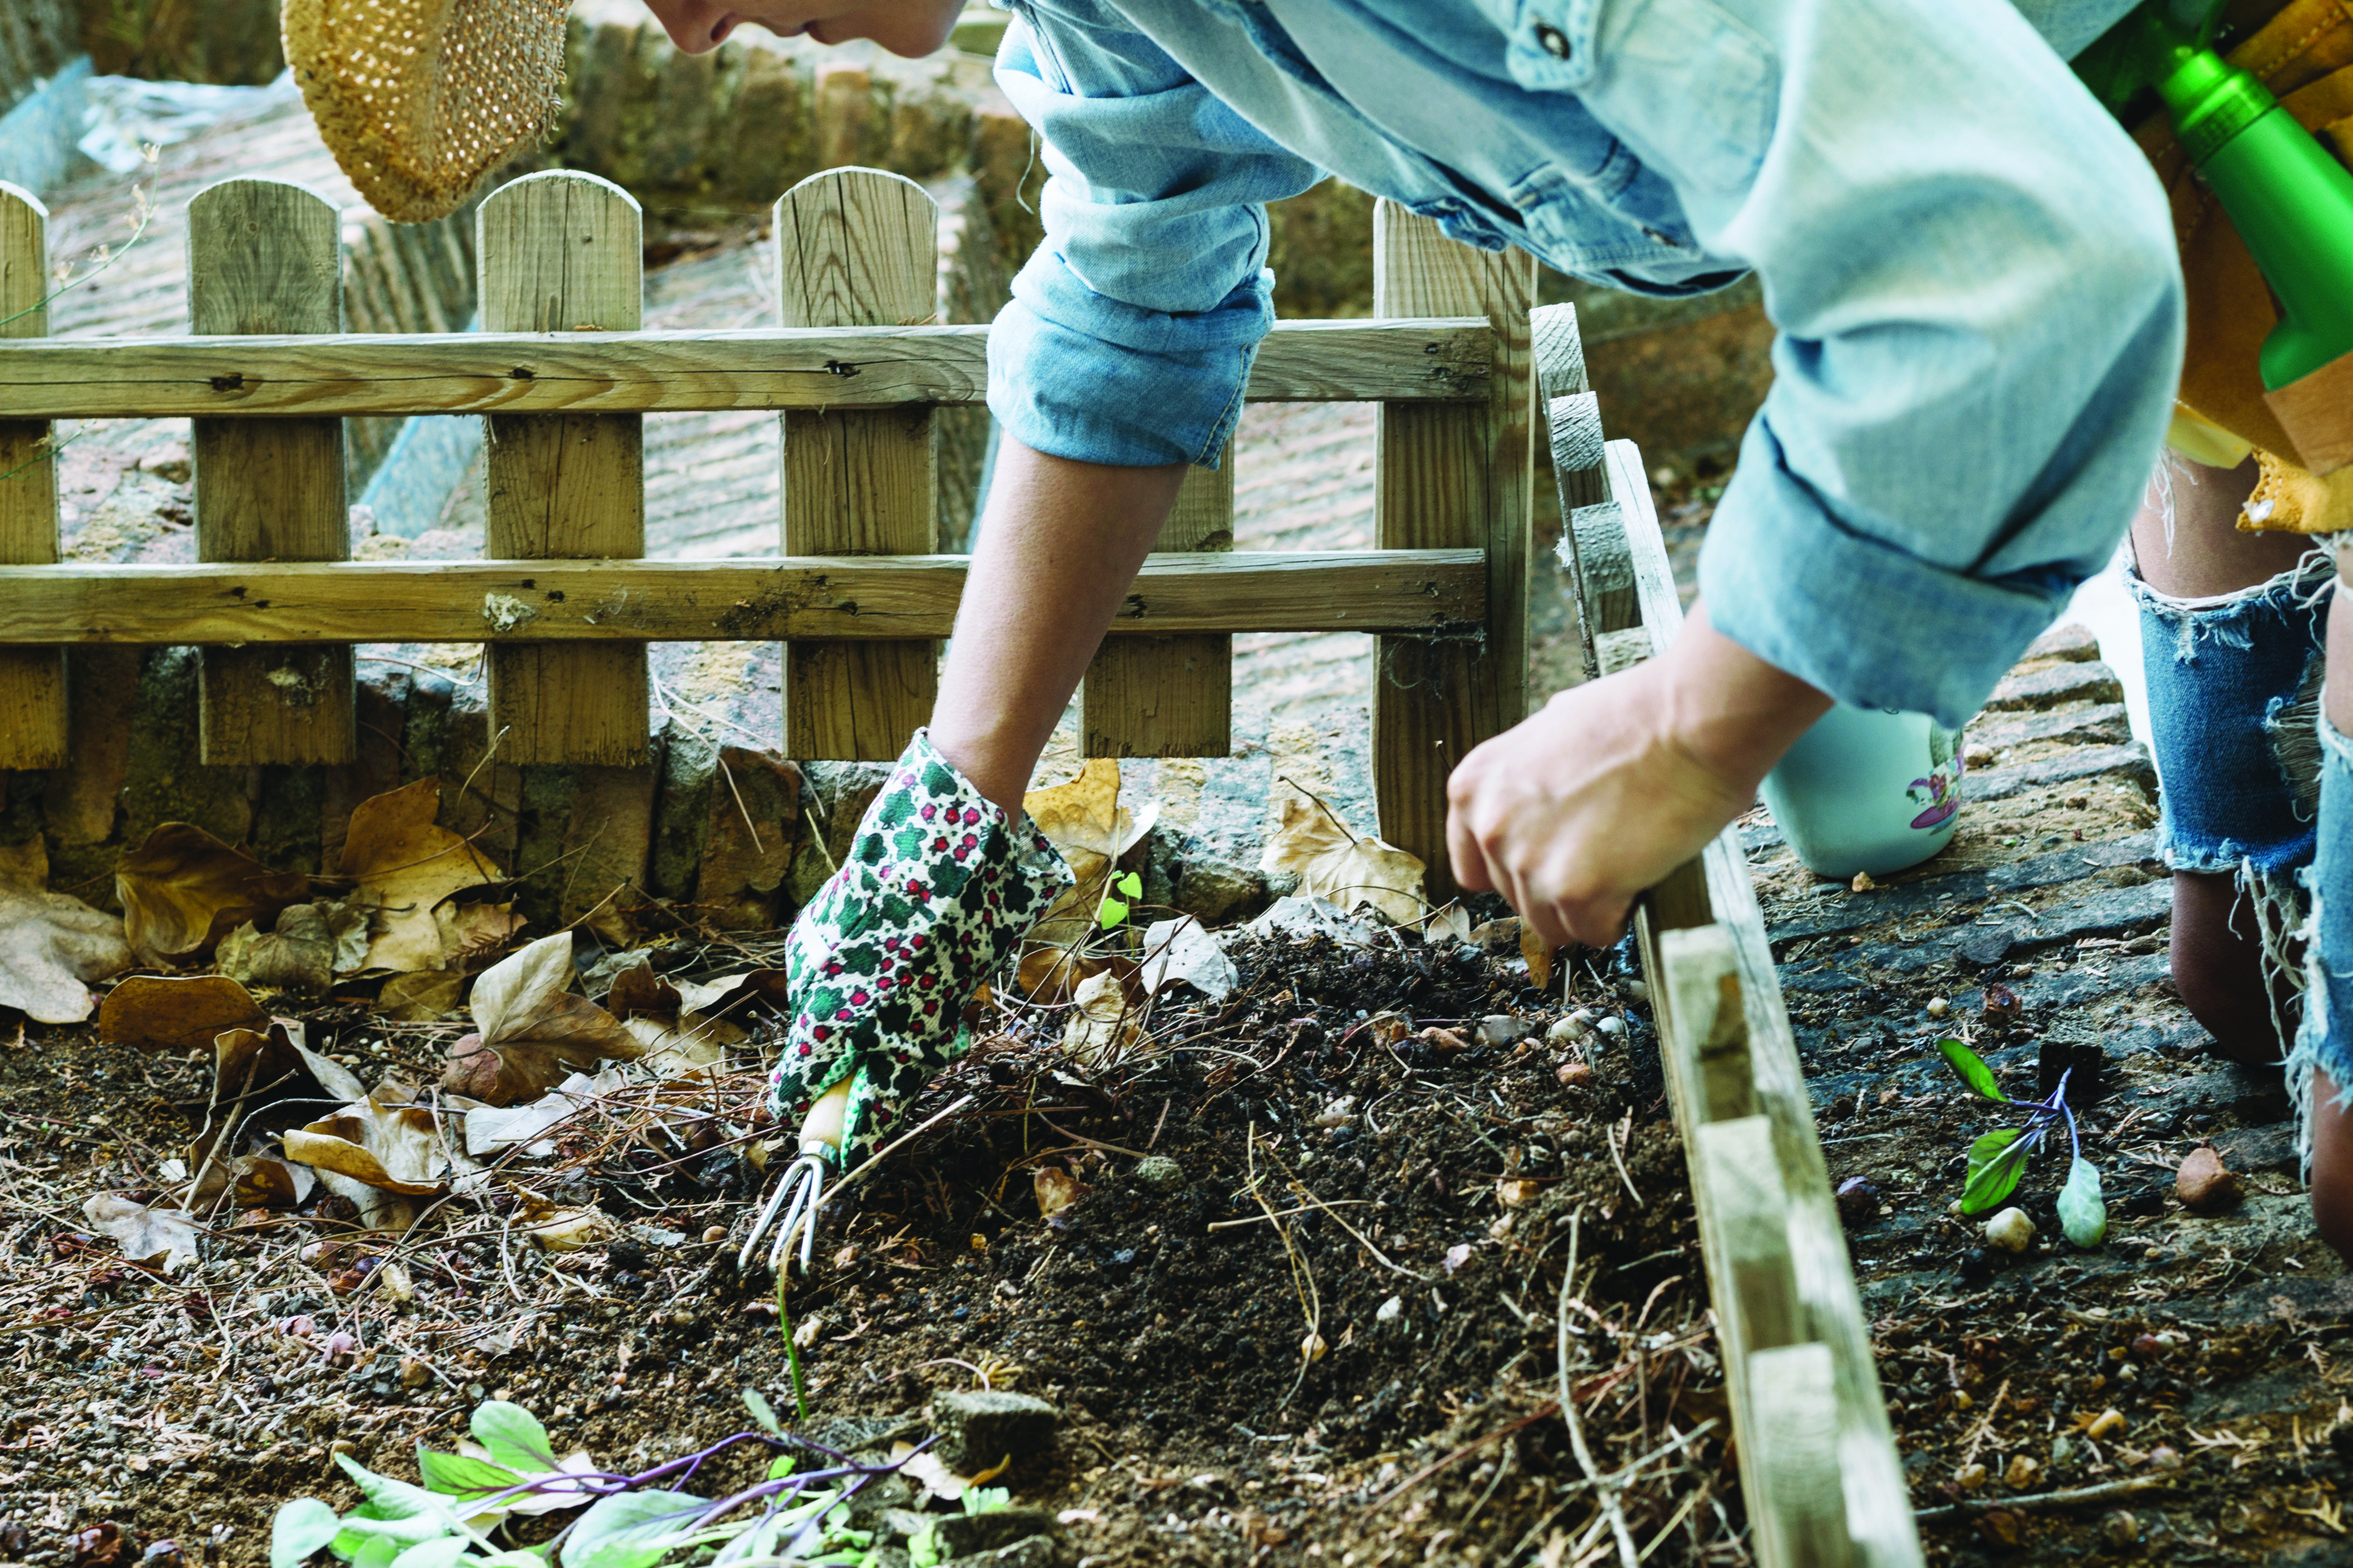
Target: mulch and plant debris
<point x="2176" y="1391"/>
<point x="360" y="1220"/>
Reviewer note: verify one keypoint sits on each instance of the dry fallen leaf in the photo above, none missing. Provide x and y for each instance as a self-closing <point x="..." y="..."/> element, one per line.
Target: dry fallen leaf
<point x="1516" y="1191"/>
<point x="145" y="1234"/>
<point x="560" y="1229"/>
<point x="265" y="1082"/>
<point x="260" y="1182"/>
<point x="1538" y="954"/>
<point x="309" y="946"/>
<point x="1182" y="952"/>
<point x="1103" y="1025"/>
<point x="176" y="1015"/>
<point x="1333" y="863"/>
<point x="383" y="1141"/>
<point x="530" y="1031"/>
<point x="184" y="889"/>
<point x="405" y="863"/>
<point x="490" y="1128"/>
<point x="1056" y="1188"/>
<point x="50" y="945"/>
<point x="421" y="995"/>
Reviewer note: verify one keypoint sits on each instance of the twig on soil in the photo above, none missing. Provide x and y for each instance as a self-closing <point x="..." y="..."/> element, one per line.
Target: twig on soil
<point x="1286" y="1213"/>
<point x="1303" y="1279"/>
<point x="1619" y="1159"/>
<point x="2045" y="1502"/>
<point x="1608" y="1496"/>
<point x="1091" y="1142"/>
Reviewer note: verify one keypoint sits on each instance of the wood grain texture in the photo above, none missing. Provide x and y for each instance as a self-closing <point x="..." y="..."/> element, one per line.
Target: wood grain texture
<point x="760" y="599"/>
<point x="1169" y="697"/>
<point x="33" y="703"/>
<point x="1449" y="476"/>
<point x="563" y="253"/>
<point x="1573" y="431"/>
<point x="267" y="257"/>
<point x="1874" y="1526"/>
<point x="496" y="372"/>
<point x="858" y="248"/>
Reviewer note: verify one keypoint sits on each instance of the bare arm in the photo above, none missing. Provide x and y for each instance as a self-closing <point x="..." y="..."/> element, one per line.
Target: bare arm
<point x="1615" y="784"/>
<point x="1059" y="542"/>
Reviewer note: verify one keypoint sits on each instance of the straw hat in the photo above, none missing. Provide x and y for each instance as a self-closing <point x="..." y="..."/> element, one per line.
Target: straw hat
<point x="418" y="100"/>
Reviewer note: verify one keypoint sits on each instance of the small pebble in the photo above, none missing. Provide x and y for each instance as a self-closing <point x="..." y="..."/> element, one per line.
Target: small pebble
<point x="1498" y="1029"/>
<point x="1391" y="1311"/>
<point x="1445" y="1042"/>
<point x="2062" y="1449"/>
<point x="1568" y="1030"/>
<point x="1612" y="1025"/>
<point x="1160" y="1172"/>
<point x="2204" y="1185"/>
<point x="1636" y="990"/>
<point x="1858" y="1200"/>
<point x="1938" y="1006"/>
<point x="2165" y="1456"/>
<point x="1971" y="1478"/>
<point x="2021" y="1473"/>
<point x="2121" y="1528"/>
<point x="1313" y="1347"/>
<point x="1574" y="1075"/>
<point x="1862" y="882"/>
<point x="2011" y="1230"/>
<point x="713" y="1235"/>
<point x="2110" y="1422"/>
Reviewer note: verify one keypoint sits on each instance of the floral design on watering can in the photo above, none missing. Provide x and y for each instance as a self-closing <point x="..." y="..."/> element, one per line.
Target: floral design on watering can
<point x="1942" y="788"/>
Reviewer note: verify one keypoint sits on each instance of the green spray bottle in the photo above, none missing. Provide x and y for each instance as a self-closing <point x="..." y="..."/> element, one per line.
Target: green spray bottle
<point x="2290" y="201"/>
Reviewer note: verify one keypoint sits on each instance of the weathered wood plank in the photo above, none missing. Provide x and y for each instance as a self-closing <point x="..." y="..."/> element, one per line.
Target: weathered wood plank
<point x="563" y="252"/>
<point x="33" y="706"/>
<point x="491" y="372"/>
<point x="1446" y="475"/>
<point x="1170" y="696"/>
<point x="1859" y="1510"/>
<point x="267" y="257"/>
<point x="857" y="247"/>
<point x="755" y="599"/>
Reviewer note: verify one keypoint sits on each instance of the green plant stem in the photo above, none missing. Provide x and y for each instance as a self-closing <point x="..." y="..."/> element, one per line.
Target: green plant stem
<point x="792" y="1350"/>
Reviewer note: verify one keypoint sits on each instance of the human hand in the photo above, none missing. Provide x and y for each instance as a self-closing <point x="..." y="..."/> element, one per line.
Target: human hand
<point x="1614" y="784"/>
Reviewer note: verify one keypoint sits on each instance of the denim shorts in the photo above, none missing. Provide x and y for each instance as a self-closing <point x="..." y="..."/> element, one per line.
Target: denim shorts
<point x="2234" y="696"/>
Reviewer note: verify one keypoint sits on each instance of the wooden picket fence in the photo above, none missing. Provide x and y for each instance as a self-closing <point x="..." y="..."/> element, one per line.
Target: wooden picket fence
<point x="562" y="370"/>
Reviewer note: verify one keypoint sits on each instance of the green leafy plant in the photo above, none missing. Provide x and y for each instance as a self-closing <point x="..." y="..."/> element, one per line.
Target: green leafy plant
<point x="1997" y="1159"/>
<point x="1119" y="900"/>
<point x="452" y="1519"/>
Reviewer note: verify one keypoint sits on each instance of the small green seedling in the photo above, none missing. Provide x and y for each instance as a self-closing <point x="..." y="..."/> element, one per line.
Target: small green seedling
<point x="1118" y="900"/>
<point x="925" y="1551"/>
<point x="1998" y="1160"/>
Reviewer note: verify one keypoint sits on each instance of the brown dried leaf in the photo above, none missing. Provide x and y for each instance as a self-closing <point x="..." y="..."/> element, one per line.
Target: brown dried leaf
<point x="260" y="1182"/>
<point x="164" y="1235"/>
<point x="157" y="1014"/>
<point x="1538" y="954"/>
<point x="184" y="889"/>
<point x="50" y="945"/>
<point x="420" y="996"/>
<point x="1335" y="864"/>
<point x="1083" y="819"/>
<point x="309" y="946"/>
<point x="566" y="1229"/>
<point x="405" y="865"/>
<point x="265" y="1082"/>
<point x="1056" y="1188"/>
<point x="532" y="1032"/>
<point x="380" y="1139"/>
<point x="1103" y="1025"/>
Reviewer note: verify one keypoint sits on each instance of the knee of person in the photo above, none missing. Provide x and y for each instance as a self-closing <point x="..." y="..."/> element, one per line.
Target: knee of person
<point x="2332" y="1216"/>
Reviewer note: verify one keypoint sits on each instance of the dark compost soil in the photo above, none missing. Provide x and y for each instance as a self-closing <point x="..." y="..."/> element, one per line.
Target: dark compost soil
<point x="1166" y="1326"/>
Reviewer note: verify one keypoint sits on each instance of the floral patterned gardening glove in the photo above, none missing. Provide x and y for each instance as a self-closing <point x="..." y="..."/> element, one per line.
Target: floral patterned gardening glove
<point x="937" y="890"/>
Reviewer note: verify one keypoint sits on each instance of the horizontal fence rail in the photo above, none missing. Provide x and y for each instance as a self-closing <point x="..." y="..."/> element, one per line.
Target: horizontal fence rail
<point x="760" y="599"/>
<point x="1424" y="359"/>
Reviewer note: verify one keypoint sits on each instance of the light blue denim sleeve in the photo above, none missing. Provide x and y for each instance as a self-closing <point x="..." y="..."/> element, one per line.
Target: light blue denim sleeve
<point x="1132" y="329"/>
<point x="1981" y="311"/>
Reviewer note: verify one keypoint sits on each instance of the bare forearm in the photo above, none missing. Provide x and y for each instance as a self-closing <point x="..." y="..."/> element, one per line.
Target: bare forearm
<point x="1058" y="545"/>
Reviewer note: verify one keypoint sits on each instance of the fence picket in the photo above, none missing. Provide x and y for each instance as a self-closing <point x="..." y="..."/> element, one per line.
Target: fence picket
<point x="1170" y="696"/>
<point x="562" y="252"/>
<point x="267" y="257"/>
<point x="32" y="679"/>
<point x="857" y="247"/>
<point x="1450" y="476"/>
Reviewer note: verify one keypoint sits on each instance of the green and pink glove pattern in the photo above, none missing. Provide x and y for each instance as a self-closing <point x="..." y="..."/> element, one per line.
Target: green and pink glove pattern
<point x="937" y="891"/>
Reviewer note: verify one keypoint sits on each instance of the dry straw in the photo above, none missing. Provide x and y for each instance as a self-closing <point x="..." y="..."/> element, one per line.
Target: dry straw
<point x="420" y="100"/>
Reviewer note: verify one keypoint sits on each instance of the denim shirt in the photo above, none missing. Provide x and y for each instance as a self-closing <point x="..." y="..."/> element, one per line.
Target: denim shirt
<point x="1970" y="267"/>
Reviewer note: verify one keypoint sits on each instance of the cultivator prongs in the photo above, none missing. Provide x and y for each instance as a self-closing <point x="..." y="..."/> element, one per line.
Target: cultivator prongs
<point x="799" y="1193"/>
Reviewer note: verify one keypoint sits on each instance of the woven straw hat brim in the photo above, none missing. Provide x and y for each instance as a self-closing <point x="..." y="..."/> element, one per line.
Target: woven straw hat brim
<point x="420" y="100"/>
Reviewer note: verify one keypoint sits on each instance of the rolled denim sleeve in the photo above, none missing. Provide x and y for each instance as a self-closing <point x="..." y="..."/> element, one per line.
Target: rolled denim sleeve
<point x="1131" y="331"/>
<point x="1980" y="305"/>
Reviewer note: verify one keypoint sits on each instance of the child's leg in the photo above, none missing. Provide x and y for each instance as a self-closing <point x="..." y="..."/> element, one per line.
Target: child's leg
<point x="2219" y="675"/>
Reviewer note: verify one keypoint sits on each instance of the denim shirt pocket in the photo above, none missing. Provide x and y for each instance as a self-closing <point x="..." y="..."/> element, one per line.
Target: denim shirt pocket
<point x="1703" y="85"/>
